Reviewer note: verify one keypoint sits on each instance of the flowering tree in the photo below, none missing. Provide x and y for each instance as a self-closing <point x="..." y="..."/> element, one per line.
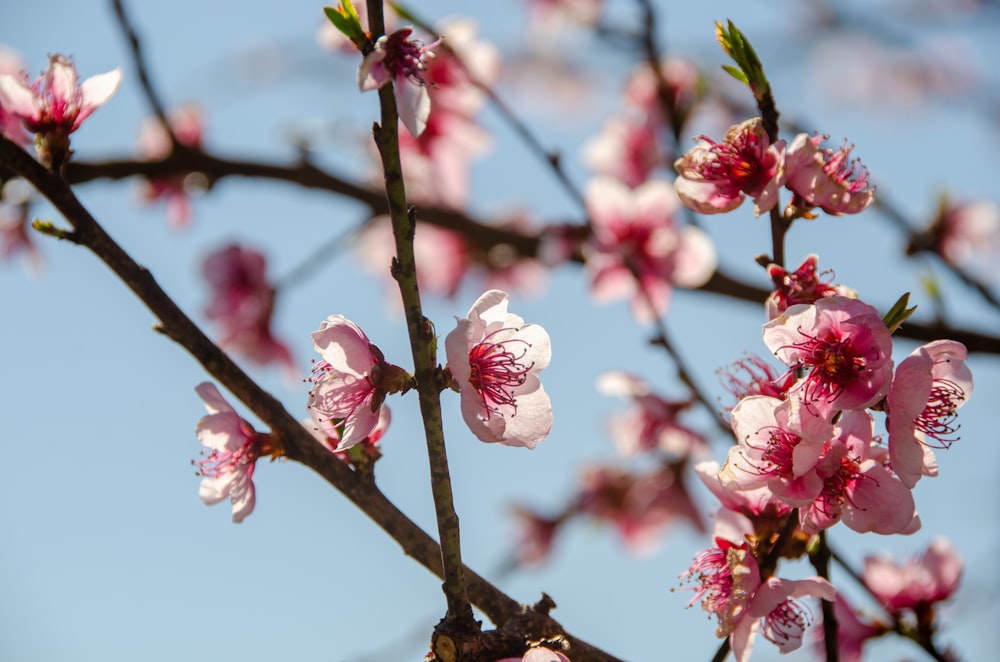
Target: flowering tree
<point x="835" y="436"/>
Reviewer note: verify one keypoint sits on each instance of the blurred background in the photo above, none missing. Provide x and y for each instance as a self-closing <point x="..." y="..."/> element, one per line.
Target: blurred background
<point x="106" y="552"/>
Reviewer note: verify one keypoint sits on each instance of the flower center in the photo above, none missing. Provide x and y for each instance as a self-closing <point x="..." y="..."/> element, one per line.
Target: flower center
<point x="496" y="369"/>
<point x="786" y="623"/>
<point x="404" y="56"/>
<point x="776" y="458"/>
<point x="834" y="364"/>
<point x="222" y="462"/>
<point x="837" y="487"/>
<point x="850" y="174"/>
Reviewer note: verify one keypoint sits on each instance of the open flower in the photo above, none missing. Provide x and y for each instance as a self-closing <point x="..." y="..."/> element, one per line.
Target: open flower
<point x="344" y="392"/>
<point x="929" y="387"/>
<point x="55" y="104"/>
<point x="715" y="177"/>
<point x="842" y="345"/>
<point x="402" y="60"/>
<point x="918" y="583"/>
<point x="495" y="358"/>
<point x="826" y="178"/>
<point x="233" y="451"/>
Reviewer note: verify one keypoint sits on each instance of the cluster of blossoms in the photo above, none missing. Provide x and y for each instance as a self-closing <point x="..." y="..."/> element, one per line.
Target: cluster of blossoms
<point x="243" y="304"/>
<point x="493" y="361"/>
<point x="806" y="441"/>
<point x="715" y="177"/>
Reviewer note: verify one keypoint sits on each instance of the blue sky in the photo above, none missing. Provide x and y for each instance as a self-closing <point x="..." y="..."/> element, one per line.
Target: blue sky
<point x="107" y="553"/>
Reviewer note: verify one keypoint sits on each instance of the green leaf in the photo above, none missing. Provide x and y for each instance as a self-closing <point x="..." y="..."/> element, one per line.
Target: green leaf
<point x="736" y="73"/>
<point x="345" y="18"/>
<point x="899" y="313"/>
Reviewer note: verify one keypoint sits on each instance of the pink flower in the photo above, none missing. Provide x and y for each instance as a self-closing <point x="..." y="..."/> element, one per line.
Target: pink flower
<point x="399" y="59"/>
<point x="779" y="443"/>
<point x="714" y="177"/>
<point x="633" y="231"/>
<point x="627" y="149"/>
<point x="10" y="124"/>
<point x="154" y="143"/>
<point x="641" y="506"/>
<point x="495" y="358"/>
<point x="825" y="178"/>
<point x="233" y="451"/>
<point x="16" y="236"/>
<point x="652" y="424"/>
<point x="750" y="503"/>
<point x="804" y="285"/>
<point x="549" y="15"/>
<point x="843" y="347"/>
<point x="55" y="104"/>
<point x="857" y="487"/>
<point x="968" y="235"/>
<point x="535" y="535"/>
<point x="243" y="304"/>
<point x="538" y="654"/>
<point x="731" y="589"/>
<point x="344" y="393"/>
<point x="920" y="582"/>
<point x="327" y="433"/>
<point x="929" y="387"/>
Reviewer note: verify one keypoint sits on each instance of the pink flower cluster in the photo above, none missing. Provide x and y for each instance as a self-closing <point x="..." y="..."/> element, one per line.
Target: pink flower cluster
<point x="715" y="177"/>
<point x="243" y="304"/>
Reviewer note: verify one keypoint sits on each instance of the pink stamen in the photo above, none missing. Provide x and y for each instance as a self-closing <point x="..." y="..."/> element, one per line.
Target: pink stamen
<point x="495" y="371"/>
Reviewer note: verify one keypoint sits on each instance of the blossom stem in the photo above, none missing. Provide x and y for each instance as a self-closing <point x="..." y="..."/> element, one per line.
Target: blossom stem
<point x="423" y="346"/>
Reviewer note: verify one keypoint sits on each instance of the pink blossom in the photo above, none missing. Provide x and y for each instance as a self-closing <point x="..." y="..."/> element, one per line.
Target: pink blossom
<point x="495" y="358"/>
<point x="233" y="451"/>
<point x="10" y="124"/>
<point x="55" y="104"/>
<point x="715" y="177"/>
<point x="344" y="394"/>
<point x="653" y="421"/>
<point x="401" y="60"/>
<point x="641" y="506"/>
<point x="826" y="178"/>
<point x="750" y="503"/>
<point x="538" y="654"/>
<point x="549" y="15"/>
<point x="243" y="304"/>
<point x="16" y="236"/>
<point x="326" y="432"/>
<point x="535" y="536"/>
<point x="634" y="232"/>
<point x="929" y="387"/>
<point x="154" y="143"/>
<point x="627" y="149"/>
<point x="843" y="347"/>
<point x="920" y="582"/>
<point x="804" y="285"/>
<point x="856" y="485"/>
<point x="779" y="443"/>
<point x="730" y="588"/>
<point x="968" y="235"/>
<point x="677" y="77"/>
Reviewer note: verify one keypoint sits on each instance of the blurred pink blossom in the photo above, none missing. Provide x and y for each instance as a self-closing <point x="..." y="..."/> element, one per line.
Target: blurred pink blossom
<point x="627" y="149"/>
<point x="495" y="358"/>
<point x="243" y="304"/>
<point x="917" y="584"/>
<point x="967" y="235"/>
<point x="804" y="285"/>
<point x="634" y="236"/>
<point x="154" y="143"/>
<point x="10" y="124"/>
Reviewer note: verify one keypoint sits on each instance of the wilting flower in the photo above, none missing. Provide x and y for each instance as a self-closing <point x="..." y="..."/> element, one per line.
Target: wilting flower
<point x="344" y="393"/>
<point x="495" y="358"/>
<point x="919" y="583"/>
<point x="929" y="387"/>
<point x="804" y="285"/>
<point x="56" y="104"/>
<point x="634" y="237"/>
<point x="399" y="59"/>
<point x="842" y="345"/>
<point x="652" y="423"/>
<point x="243" y="304"/>
<point x="233" y="451"/>
<point x="154" y="143"/>
<point x="826" y="178"/>
<point x="715" y="177"/>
